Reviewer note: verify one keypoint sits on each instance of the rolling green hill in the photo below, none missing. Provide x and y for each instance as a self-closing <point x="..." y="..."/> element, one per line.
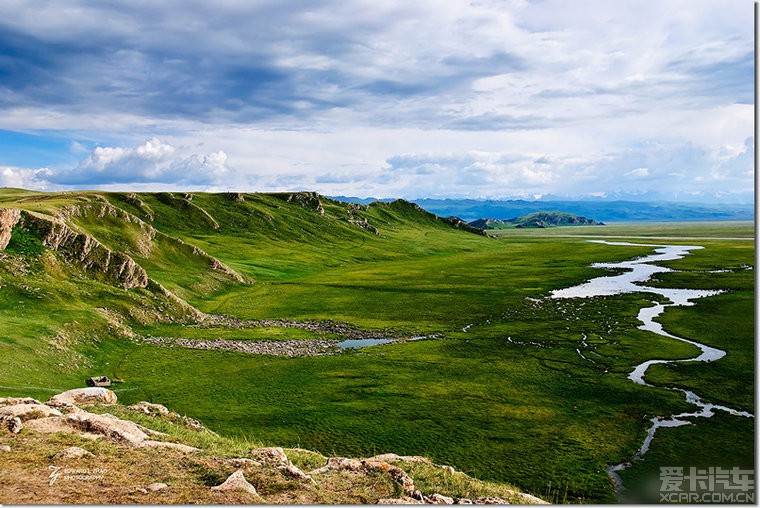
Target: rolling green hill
<point x="536" y="220"/>
<point x="170" y="291"/>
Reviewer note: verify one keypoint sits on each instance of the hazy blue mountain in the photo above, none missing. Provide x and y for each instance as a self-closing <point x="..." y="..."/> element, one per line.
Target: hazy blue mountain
<point x="601" y="210"/>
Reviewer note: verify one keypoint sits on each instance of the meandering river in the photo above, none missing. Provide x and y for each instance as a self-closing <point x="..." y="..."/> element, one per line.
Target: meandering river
<point x="630" y="280"/>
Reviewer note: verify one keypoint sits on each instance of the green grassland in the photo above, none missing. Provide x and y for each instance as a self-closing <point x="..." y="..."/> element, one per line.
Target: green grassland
<point x="666" y="230"/>
<point x="509" y="399"/>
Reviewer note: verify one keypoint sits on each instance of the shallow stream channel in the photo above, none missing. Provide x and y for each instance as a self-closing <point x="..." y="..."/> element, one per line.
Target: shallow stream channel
<point x="632" y="279"/>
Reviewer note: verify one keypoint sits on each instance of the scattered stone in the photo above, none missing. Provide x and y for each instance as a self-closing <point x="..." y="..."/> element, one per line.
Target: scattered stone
<point x="155" y="487"/>
<point x="239" y="463"/>
<point x="83" y="396"/>
<point x="386" y="457"/>
<point x="338" y="464"/>
<point x="277" y="457"/>
<point x="364" y="224"/>
<point x="73" y="452"/>
<point x="149" y="408"/>
<point x="190" y="422"/>
<point x="141" y="490"/>
<point x="295" y="472"/>
<point x="399" y="500"/>
<point x="463" y="500"/>
<point x="417" y="495"/>
<point x="12" y="423"/>
<point x="236" y="481"/>
<point x="27" y="411"/>
<point x="163" y="444"/>
<point x="529" y="499"/>
<point x="439" y="499"/>
<point x="5" y="448"/>
<point x="490" y="500"/>
<point x="271" y="455"/>
<point x="396" y="473"/>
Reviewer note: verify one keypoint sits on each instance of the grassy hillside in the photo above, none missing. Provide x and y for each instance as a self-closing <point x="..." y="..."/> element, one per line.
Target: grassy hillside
<point x="501" y="394"/>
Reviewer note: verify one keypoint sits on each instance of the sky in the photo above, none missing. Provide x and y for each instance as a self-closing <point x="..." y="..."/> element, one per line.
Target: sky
<point x="430" y="98"/>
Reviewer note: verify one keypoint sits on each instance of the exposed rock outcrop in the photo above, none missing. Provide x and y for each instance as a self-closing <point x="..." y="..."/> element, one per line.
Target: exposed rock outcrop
<point x="192" y="211"/>
<point x="307" y="200"/>
<point x="86" y="251"/>
<point x="138" y="203"/>
<point x="352" y="211"/>
<point x="185" y="308"/>
<point x="9" y="217"/>
<point x="460" y="224"/>
<point x="364" y="224"/>
<point x="214" y="264"/>
<point x="234" y="196"/>
<point x="102" y="209"/>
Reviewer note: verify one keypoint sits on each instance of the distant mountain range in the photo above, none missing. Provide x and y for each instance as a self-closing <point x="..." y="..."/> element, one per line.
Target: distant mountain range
<point x="601" y="210"/>
<point x="536" y="220"/>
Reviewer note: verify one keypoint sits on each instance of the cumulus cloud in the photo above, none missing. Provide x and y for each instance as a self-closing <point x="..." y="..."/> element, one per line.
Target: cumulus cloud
<point x="25" y="178"/>
<point x="152" y="162"/>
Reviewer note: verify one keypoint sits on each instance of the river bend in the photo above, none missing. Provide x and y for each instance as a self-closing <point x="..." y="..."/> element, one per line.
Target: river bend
<point x="635" y="273"/>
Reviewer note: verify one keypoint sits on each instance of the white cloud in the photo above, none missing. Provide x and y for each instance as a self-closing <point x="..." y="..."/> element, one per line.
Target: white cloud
<point x="151" y="162"/>
<point x="638" y="173"/>
<point x="25" y="178"/>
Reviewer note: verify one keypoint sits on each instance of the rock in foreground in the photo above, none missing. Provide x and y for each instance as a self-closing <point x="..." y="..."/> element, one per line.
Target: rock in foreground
<point x="81" y="447"/>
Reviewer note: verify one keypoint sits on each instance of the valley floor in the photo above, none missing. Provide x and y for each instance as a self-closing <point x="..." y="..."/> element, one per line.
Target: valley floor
<point x="498" y="388"/>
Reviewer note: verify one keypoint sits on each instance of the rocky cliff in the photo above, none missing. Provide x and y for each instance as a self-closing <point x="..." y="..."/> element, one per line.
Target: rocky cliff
<point x="75" y="247"/>
<point x="9" y="217"/>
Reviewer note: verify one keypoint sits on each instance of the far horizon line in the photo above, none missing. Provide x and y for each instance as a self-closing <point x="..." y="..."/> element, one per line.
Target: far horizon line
<point x="646" y="197"/>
